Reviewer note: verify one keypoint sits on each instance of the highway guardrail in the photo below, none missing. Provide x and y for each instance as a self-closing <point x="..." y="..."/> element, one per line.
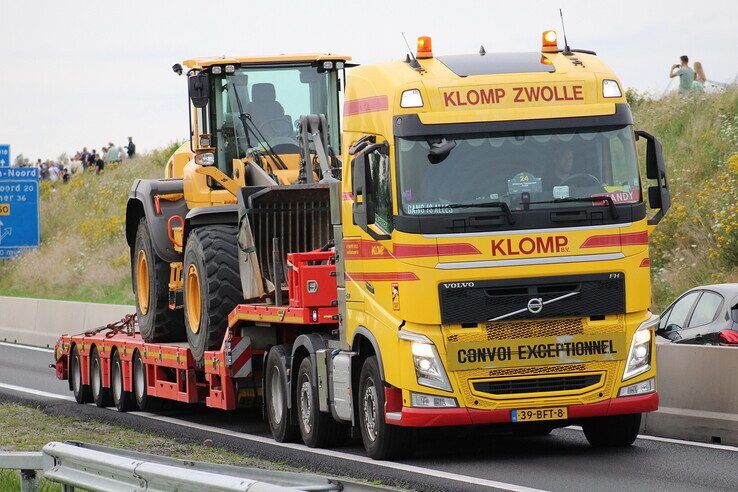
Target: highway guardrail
<point x="101" y="468"/>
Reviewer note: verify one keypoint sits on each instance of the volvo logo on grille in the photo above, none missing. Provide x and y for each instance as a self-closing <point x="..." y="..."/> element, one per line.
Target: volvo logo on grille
<point x="535" y="305"/>
<point x="459" y="285"/>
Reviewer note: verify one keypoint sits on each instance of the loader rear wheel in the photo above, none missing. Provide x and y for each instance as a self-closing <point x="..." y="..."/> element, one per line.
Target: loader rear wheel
<point x="156" y="322"/>
<point x="212" y="286"/>
<point x="100" y="394"/>
<point x="81" y="391"/>
<point x="276" y="394"/>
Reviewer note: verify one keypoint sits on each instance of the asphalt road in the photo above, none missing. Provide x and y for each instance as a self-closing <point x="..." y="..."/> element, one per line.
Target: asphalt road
<point x="466" y="459"/>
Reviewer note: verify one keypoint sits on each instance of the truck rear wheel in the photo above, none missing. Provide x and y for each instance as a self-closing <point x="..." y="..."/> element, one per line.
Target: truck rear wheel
<point x="212" y="286"/>
<point x="276" y="394"/>
<point x="81" y="391"/>
<point x="144" y="402"/>
<point x="613" y="431"/>
<point x="156" y="322"/>
<point x="318" y="429"/>
<point x="100" y="394"/>
<point x="381" y="440"/>
<point x="122" y="399"/>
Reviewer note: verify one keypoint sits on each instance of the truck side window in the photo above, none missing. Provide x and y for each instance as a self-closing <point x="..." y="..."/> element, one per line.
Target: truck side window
<point x="382" y="193"/>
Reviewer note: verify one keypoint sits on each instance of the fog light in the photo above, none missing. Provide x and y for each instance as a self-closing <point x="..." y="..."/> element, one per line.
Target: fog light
<point x="647" y="386"/>
<point x="432" y="401"/>
<point x="610" y="88"/>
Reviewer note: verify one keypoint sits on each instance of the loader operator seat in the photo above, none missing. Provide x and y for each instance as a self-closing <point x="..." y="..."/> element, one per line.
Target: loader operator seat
<point x="267" y="113"/>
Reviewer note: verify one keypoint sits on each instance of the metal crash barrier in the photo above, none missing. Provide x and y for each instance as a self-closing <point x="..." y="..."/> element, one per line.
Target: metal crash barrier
<point x="98" y="468"/>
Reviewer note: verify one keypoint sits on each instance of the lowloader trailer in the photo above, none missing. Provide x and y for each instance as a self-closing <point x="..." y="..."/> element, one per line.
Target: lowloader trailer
<point x="477" y="254"/>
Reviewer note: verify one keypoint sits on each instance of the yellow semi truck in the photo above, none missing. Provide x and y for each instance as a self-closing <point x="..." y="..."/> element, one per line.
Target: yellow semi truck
<point x="477" y="253"/>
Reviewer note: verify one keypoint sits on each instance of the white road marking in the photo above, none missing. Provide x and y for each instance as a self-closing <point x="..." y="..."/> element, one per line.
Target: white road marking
<point x="346" y="456"/>
<point x="325" y="452"/>
<point x="722" y="447"/>
<point x="27" y="347"/>
<point x="30" y="391"/>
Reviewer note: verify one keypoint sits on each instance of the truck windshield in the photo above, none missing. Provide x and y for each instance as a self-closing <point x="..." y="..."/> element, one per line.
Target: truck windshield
<point x="272" y="99"/>
<point x="523" y="170"/>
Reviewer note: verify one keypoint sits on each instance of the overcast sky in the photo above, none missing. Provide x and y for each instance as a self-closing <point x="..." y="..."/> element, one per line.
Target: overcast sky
<point x="76" y="73"/>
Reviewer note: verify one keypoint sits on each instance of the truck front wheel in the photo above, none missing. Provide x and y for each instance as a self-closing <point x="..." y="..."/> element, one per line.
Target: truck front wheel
<point x="212" y="286"/>
<point x="381" y="440"/>
<point x="613" y="431"/>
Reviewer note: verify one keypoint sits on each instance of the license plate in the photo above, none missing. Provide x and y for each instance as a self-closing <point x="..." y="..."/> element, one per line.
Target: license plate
<point x="535" y="414"/>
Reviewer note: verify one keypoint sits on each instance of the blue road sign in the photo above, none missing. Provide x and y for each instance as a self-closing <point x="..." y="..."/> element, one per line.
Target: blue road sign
<point x="4" y="155"/>
<point x="19" y="219"/>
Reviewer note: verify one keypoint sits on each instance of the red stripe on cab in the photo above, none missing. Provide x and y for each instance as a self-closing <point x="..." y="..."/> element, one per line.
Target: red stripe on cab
<point x="626" y="239"/>
<point x="365" y="105"/>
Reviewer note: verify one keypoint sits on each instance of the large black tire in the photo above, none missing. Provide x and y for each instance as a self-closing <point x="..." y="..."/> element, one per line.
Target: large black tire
<point x="613" y="431"/>
<point x="212" y="286"/>
<point x="122" y="399"/>
<point x="144" y="402"/>
<point x="81" y="391"/>
<point x="381" y="440"/>
<point x="318" y="429"/>
<point x="156" y="322"/>
<point x="276" y="392"/>
<point x="100" y="394"/>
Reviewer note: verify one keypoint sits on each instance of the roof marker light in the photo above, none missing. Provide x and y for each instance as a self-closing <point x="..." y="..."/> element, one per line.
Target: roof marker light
<point x="216" y="70"/>
<point x="230" y="69"/>
<point x="610" y="88"/>
<point x="425" y="49"/>
<point x="411" y="98"/>
<point x="549" y="41"/>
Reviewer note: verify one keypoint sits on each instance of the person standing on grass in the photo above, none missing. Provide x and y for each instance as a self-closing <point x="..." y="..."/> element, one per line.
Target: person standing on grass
<point x="685" y="74"/>
<point x="131" y="148"/>
<point x="699" y="78"/>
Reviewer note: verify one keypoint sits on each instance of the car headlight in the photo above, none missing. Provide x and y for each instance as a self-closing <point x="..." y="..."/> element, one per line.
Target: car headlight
<point x="639" y="356"/>
<point x="429" y="369"/>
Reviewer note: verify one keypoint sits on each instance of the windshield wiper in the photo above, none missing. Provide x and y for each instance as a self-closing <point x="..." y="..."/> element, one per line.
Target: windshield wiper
<point x="583" y="199"/>
<point x="501" y="205"/>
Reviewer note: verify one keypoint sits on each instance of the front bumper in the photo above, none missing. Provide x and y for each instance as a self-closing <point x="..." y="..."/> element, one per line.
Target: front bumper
<point x="440" y="417"/>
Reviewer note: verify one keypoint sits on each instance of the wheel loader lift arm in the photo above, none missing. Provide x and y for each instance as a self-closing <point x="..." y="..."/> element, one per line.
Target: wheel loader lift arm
<point x="314" y="127"/>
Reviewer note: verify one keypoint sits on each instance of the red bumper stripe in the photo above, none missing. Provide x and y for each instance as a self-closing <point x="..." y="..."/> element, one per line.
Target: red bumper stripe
<point x="432" y="417"/>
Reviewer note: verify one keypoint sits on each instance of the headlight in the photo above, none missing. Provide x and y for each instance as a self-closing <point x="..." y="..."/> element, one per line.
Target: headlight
<point x="429" y="369"/>
<point x="205" y="159"/>
<point x="639" y="357"/>
<point x="432" y="401"/>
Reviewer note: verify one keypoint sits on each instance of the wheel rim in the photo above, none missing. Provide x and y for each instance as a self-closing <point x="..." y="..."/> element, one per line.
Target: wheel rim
<point x="306" y="395"/>
<point x="276" y="396"/>
<point x="117" y="381"/>
<point x="76" y="374"/>
<point x="138" y="379"/>
<point x="193" y="300"/>
<point x="142" y="282"/>
<point x="95" y="383"/>
<point x="370" y="410"/>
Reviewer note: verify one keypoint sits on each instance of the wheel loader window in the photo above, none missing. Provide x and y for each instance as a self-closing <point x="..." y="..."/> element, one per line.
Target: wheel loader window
<point x="258" y="107"/>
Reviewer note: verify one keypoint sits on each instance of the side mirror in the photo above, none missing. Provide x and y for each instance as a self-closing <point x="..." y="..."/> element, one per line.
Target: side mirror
<point x="199" y="89"/>
<point x="658" y="195"/>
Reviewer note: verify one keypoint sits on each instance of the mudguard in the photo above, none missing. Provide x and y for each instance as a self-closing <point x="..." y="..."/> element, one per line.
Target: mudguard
<point x="312" y="343"/>
<point x="141" y="204"/>
<point x="361" y="330"/>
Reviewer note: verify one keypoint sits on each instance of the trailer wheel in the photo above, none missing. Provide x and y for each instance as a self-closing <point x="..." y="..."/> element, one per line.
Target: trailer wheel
<point x="156" y="322"/>
<point x="318" y="429"/>
<point x="381" y="440"/>
<point x="276" y="395"/>
<point x="81" y="391"/>
<point x="122" y="399"/>
<point x="100" y="394"/>
<point x="212" y="286"/>
<point x="145" y="402"/>
<point x="612" y="431"/>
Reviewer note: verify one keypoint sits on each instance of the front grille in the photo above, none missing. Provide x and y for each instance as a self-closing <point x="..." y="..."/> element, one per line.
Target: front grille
<point x="532" y="298"/>
<point x="538" y="385"/>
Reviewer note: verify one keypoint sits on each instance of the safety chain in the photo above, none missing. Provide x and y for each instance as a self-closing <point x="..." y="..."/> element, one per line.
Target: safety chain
<point x="126" y="325"/>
